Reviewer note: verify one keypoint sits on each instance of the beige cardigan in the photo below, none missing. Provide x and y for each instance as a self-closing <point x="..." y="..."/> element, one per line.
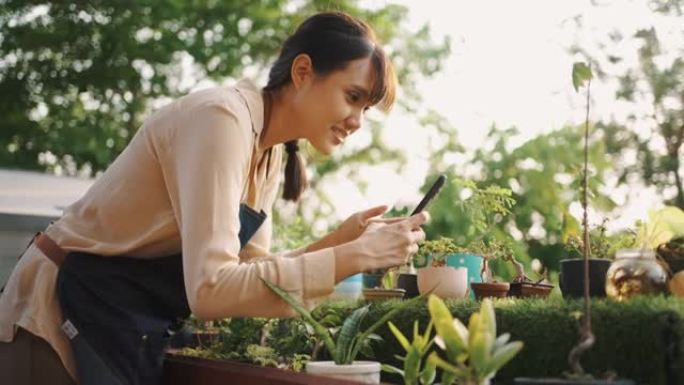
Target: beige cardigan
<point x="177" y="187"/>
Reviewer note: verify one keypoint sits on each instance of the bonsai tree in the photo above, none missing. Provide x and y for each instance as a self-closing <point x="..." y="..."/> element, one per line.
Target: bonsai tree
<point x="349" y="339"/>
<point x="436" y="250"/>
<point x="473" y="354"/>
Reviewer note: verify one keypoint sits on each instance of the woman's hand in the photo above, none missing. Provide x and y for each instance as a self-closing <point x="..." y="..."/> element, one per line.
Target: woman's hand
<point x="352" y="228"/>
<point x="381" y="245"/>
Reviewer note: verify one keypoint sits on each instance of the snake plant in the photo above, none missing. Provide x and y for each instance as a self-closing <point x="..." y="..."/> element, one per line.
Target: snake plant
<point x="350" y="338"/>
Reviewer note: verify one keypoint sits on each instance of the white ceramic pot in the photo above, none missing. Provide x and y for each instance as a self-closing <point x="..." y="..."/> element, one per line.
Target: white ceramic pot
<point x="447" y="281"/>
<point x="367" y="372"/>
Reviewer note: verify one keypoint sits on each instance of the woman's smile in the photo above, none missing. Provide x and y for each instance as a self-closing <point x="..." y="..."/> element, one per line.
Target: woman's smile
<point x="339" y="135"/>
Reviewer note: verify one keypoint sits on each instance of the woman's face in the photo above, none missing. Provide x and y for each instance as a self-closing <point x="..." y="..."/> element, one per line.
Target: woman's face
<point x="330" y="108"/>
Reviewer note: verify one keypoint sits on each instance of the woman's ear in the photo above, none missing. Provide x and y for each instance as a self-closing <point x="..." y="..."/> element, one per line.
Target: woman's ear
<point x="302" y="70"/>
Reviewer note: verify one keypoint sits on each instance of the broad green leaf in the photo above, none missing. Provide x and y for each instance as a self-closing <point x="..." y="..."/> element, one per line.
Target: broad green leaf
<point x="500" y="341"/>
<point x="581" y="73"/>
<point x="399" y="336"/>
<point x="571" y="227"/>
<point x="501" y="357"/>
<point x="444" y="324"/>
<point x="347" y="335"/>
<point x="487" y="316"/>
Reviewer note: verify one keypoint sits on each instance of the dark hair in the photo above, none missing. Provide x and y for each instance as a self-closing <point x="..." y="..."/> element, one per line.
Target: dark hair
<point x="332" y="40"/>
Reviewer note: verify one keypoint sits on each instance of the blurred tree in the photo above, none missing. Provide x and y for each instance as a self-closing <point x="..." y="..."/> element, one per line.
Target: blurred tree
<point x="544" y="174"/>
<point x="649" y="142"/>
<point x="77" y="78"/>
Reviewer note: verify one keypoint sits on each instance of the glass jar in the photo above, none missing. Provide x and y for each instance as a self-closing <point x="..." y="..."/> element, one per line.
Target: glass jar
<point x="635" y="272"/>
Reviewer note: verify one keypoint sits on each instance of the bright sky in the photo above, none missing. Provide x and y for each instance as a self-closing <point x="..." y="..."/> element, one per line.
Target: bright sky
<point x="510" y="66"/>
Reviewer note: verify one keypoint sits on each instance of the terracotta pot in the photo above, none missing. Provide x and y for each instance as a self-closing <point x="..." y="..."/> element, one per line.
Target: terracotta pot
<point x="529" y="289"/>
<point x="367" y="372"/>
<point x="490" y="289"/>
<point x="444" y="281"/>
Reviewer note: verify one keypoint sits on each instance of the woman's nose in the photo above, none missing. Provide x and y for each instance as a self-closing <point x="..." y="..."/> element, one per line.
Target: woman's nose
<point x="354" y="121"/>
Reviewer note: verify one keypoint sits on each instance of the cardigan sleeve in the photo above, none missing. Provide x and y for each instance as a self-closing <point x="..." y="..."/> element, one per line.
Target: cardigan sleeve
<point x="208" y="160"/>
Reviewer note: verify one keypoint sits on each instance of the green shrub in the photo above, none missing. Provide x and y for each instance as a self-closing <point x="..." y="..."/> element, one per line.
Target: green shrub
<point x="641" y="339"/>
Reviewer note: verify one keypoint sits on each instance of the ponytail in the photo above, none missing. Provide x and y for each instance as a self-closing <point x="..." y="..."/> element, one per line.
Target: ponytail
<point x="295" y="173"/>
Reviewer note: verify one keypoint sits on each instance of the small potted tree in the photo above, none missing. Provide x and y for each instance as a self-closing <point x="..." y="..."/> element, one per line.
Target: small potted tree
<point x="435" y="275"/>
<point x="489" y="286"/>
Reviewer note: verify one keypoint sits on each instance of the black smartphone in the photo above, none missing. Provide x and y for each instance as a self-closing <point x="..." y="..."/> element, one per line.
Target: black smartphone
<point x="432" y="192"/>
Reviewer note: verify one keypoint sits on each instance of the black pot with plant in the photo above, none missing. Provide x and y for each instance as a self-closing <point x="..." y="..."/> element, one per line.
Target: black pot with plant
<point x="408" y="281"/>
<point x="602" y="248"/>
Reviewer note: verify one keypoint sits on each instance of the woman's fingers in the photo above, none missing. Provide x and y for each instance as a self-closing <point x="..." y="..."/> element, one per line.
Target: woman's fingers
<point x="373" y="212"/>
<point x="387" y="221"/>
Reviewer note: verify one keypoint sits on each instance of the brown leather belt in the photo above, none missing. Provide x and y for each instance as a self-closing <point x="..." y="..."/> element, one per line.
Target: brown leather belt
<point x="50" y="248"/>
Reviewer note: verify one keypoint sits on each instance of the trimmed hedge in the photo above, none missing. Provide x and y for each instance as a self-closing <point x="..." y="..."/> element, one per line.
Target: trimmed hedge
<point x="641" y="339"/>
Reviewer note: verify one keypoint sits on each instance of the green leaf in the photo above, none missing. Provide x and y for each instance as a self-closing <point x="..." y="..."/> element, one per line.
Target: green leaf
<point x="320" y="330"/>
<point x="488" y="317"/>
<point x="392" y="369"/>
<point x="500" y="341"/>
<point x="346" y="339"/>
<point x="399" y="336"/>
<point x="440" y="363"/>
<point x="444" y="324"/>
<point x="581" y="73"/>
<point x="427" y="376"/>
<point x="412" y="366"/>
<point x="383" y="320"/>
<point x="501" y="357"/>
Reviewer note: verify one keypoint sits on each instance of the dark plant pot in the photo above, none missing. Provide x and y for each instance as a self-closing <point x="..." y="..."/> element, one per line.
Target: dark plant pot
<point x="408" y="282"/>
<point x="492" y="289"/>
<point x="372" y="280"/>
<point x="675" y="264"/>
<point x="571" y="278"/>
<point x="529" y="289"/>
<point x="563" y="381"/>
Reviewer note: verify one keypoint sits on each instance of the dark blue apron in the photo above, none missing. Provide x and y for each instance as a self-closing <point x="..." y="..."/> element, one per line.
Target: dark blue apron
<point x="120" y="312"/>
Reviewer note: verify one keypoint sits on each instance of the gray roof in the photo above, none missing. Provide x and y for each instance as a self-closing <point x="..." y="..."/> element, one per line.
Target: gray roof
<point x="28" y="193"/>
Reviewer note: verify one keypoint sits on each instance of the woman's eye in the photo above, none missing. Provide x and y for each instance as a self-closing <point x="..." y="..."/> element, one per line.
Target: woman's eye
<point x="353" y="97"/>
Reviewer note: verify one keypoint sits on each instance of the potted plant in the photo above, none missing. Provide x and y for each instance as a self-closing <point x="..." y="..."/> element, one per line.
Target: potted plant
<point x="387" y="289"/>
<point x="602" y="249"/>
<point x="434" y="275"/>
<point x="488" y="285"/>
<point x="408" y="280"/>
<point x="581" y="73"/>
<point x="347" y="343"/>
<point x="522" y="285"/>
<point x="472" y="355"/>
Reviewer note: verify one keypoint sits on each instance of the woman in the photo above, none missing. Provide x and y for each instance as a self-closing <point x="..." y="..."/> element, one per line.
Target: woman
<point x="180" y="222"/>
